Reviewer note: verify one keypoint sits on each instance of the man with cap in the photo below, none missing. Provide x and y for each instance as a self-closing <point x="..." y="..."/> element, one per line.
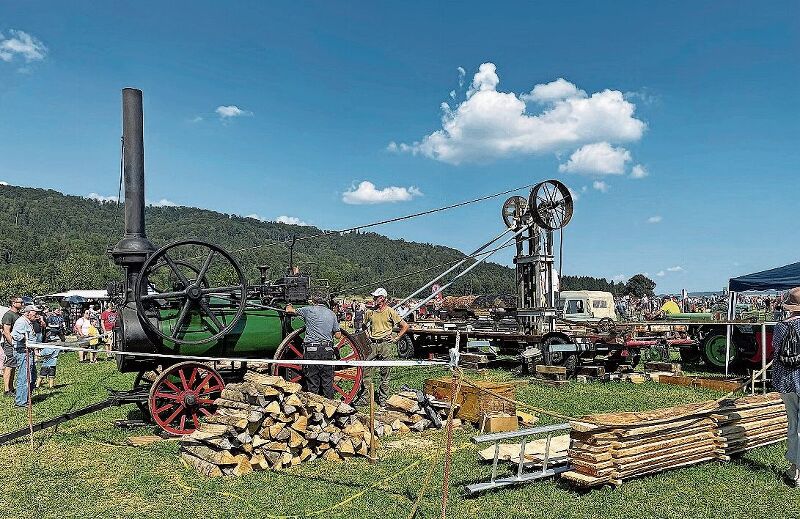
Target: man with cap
<point x="381" y="322"/>
<point x="321" y="327"/>
<point x="786" y="378"/>
<point x="22" y="334"/>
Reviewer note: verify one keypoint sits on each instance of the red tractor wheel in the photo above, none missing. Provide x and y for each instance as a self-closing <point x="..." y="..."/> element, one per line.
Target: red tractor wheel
<point x="346" y="381"/>
<point x="182" y="394"/>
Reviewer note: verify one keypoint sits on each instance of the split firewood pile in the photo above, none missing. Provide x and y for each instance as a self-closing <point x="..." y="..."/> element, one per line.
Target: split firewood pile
<point x="268" y="423"/>
<point x="411" y="410"/>
<point x="630" y="445"/>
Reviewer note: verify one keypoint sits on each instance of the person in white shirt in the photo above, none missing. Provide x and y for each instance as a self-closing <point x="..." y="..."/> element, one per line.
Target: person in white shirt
<point x="83" y="329"/>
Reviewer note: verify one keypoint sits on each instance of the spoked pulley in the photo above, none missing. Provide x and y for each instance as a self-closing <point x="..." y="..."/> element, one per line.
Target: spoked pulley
<point x="190" y="292"/>
<point x="550" y="204"/>
<point x="515" y="212"/>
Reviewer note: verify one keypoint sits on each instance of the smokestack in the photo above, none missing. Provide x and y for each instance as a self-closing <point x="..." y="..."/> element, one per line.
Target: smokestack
<point x="133" y="161"/>
<point x="134" y="247"/>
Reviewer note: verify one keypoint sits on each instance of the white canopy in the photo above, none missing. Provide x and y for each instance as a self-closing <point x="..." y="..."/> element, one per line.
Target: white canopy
<point x="95" y="295"/>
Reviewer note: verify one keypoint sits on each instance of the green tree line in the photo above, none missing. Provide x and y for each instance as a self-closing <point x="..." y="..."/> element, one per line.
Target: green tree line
<point x="50" y="242"/>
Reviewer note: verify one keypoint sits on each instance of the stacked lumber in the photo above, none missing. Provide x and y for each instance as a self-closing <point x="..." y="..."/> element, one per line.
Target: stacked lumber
<point x="267" y="423"/>
<point x="744" y="428"/>
<point x="411" y="410"/>
<point x="611" y="448"/>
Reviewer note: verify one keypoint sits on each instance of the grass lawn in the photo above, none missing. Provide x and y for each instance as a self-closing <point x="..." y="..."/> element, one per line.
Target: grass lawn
<point x="86" y="469"/>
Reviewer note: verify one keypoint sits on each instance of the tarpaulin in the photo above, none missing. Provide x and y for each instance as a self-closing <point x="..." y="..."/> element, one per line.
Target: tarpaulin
<point x="780" y="278"/>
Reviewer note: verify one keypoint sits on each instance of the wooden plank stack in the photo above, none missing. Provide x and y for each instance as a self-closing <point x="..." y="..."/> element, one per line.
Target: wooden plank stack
<point x="629" y="445"/>
<point x="266" y="423"/>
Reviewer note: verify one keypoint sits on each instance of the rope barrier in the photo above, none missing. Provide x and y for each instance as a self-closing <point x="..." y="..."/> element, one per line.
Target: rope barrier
<point x="299" y="362"/>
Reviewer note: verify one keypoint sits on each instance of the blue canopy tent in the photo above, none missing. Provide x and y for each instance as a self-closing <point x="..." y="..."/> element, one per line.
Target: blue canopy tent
<point x="780" y="278"/>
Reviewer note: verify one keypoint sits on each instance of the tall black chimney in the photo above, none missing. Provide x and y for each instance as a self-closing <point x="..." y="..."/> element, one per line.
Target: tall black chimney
<point x="134" y="247"/>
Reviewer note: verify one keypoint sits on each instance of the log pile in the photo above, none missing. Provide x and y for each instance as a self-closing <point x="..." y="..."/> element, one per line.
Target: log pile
<point x="268" y="423"/>
<point x="411" y="410"/>
<point x="629" y="445"/>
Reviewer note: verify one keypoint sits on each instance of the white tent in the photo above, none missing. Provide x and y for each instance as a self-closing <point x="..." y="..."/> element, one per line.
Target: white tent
<point x="89" y="295"/>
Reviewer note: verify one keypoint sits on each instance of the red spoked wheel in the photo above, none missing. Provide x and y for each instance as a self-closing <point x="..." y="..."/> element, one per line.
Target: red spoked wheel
<point x="182" y="394"/>
<point x="346" y="381"/>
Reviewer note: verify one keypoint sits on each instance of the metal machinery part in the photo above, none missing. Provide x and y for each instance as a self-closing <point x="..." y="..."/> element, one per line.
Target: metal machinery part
<point x="181" y="295"/>
<point x="182" y="394"/>
<point x="346" y="381"/>
<point x="515" y="212"/>
<point x="550" y="204"/>
<point x="191" y="298"/>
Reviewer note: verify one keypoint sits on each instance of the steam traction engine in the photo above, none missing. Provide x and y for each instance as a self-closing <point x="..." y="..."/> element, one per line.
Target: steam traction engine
<point x="191" y="298"/>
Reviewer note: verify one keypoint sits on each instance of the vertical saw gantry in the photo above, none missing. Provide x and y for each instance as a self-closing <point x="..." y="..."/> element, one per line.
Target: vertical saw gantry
<point x="534" y="220"/>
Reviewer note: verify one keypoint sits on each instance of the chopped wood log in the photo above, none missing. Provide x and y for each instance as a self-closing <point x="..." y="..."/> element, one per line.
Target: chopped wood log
<point x="300" y="425"/>
<point x="402" y="403"/>
<point x="217" y="457"/>
<point x="200" y="465"/>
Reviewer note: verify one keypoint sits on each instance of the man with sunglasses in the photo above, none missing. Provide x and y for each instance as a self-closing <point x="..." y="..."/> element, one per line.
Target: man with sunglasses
<point x="381" y="322"/>
<point x="10" y="362"/>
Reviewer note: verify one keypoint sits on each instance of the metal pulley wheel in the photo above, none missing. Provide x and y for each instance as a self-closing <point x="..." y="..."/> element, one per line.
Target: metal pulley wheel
<point x="515" y="209"/>
<point x="346" y="380"/>
<point x="550" y="204"/>
<point x="196" y="299"/>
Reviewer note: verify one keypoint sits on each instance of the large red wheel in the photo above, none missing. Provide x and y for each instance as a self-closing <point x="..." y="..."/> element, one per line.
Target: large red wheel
<point x="346" y="381"/>
<point x="182" y="394"/>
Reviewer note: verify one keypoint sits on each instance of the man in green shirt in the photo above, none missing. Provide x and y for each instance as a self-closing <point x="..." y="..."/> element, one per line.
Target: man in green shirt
<point x="381" y="322"/>
<point x="9" y="363"/>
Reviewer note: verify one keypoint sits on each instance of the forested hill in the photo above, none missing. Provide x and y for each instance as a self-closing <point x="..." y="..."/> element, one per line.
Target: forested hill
<point x="52" y="242"/>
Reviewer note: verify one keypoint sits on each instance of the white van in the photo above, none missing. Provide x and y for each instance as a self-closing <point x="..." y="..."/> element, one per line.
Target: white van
<point x="586" y="305"/>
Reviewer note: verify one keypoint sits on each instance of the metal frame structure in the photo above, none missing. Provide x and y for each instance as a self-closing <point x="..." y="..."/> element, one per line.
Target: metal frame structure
<point x="550" y="467"/>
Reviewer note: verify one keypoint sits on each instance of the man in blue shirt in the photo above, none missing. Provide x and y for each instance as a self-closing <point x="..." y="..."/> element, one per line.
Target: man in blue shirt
<point x="321" y="327"/>
<point x="22" y="334"/>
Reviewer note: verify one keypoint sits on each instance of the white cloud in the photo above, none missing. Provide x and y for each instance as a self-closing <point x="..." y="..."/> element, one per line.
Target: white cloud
<point x="291" y="220"/>
<point x="367" y="193"/>
<point x="255" y="216"/>
<point x="3" y="183"/>
<point x="21" y="44"/>
<point x="654" y="219"/>
<point x="677" y="268"/>
<point x="101" y="198"/>
<point x="227" y="112"/>
<point x="452" y="94"/>
<point x="163" y="203"/>
<point x="660" y="273"/>
<point x="489" y="124"/>
<point x="197" y="119"/>
<point x="461" y="75"/>
<point x="598" y="158"/>
<point x="553" y="91"/>
<point x="639" y="171"/>
<point x="600" y="186"/>
<point x="618" y="277"/>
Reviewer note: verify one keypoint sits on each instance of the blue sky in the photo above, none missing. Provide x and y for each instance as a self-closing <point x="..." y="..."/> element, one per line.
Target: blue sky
<point x="280" y="109"/>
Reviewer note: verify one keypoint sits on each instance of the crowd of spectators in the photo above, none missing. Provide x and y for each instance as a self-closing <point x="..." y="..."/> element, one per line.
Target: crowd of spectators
<point x="29" y="334"/>
<point x="659" y="307"/>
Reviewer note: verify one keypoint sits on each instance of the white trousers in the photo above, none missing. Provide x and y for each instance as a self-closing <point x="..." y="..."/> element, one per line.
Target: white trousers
<point x="792" y="402"/>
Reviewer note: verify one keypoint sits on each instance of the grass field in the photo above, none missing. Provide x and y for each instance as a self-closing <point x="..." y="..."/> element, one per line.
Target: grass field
<point x="86" y="469"/>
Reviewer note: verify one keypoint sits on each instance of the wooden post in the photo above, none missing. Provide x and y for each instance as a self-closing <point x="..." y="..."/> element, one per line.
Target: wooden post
<point x="30" y="390"/>
<point x="372" y="421"/>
